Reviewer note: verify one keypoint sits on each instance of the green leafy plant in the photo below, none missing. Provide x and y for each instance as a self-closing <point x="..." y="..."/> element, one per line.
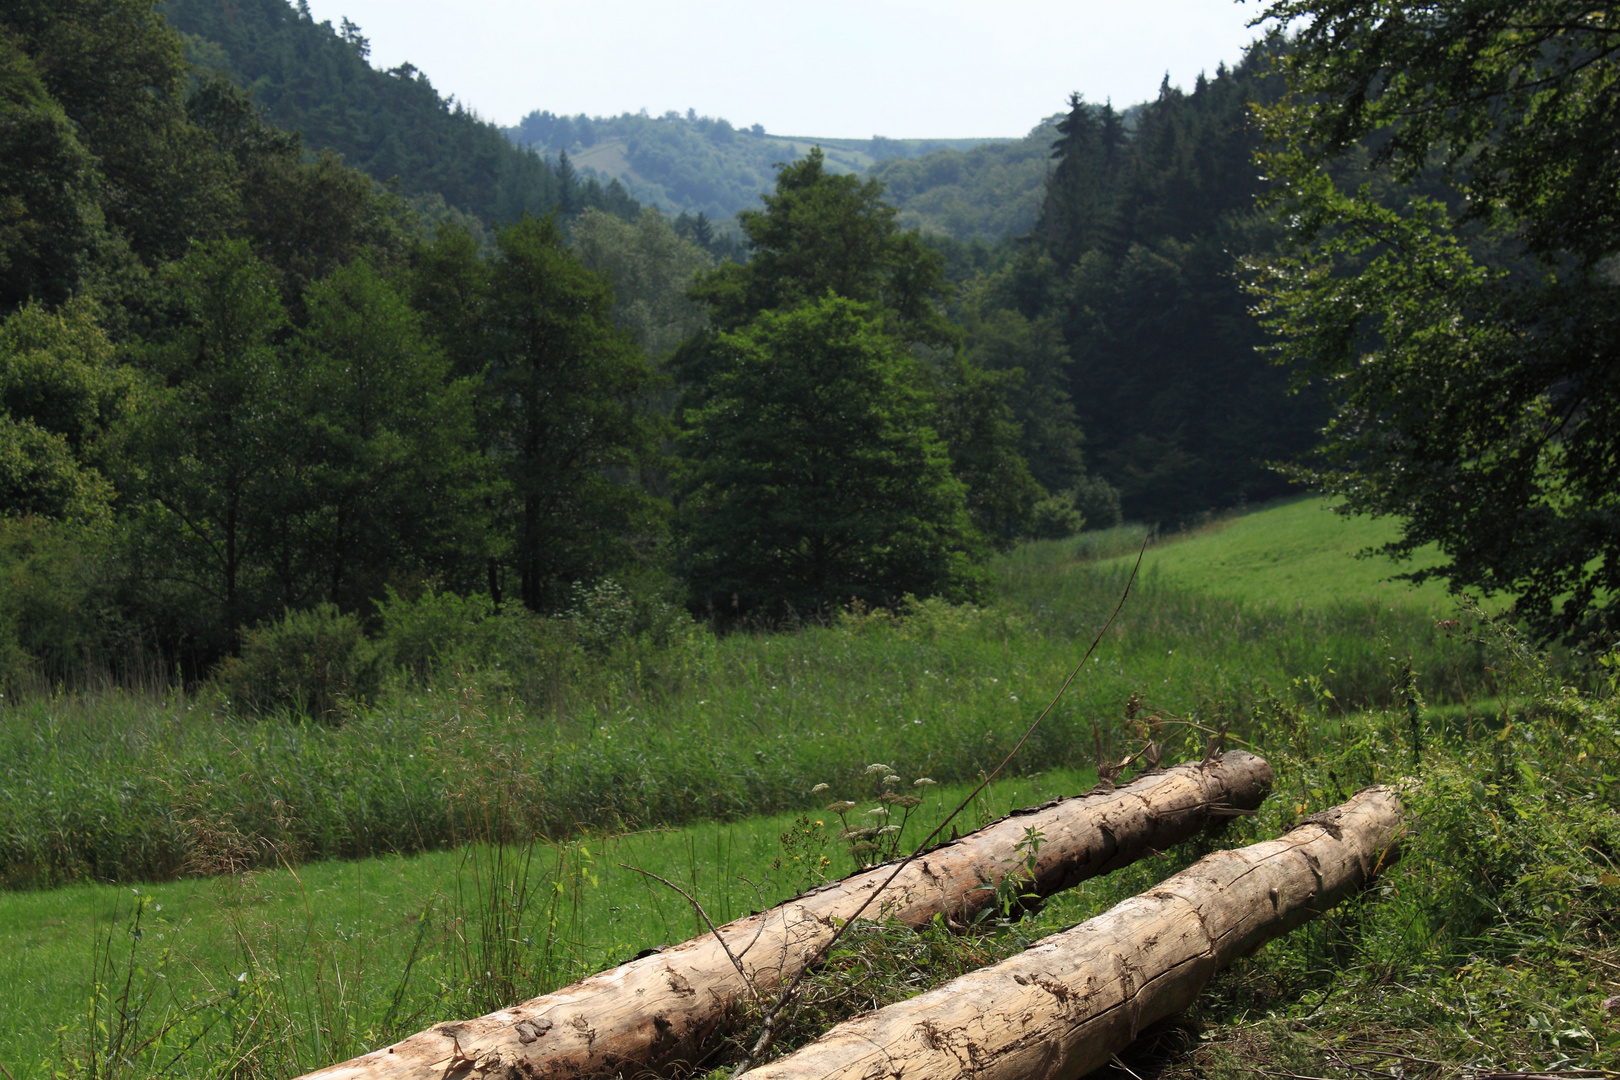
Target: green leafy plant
<point x="803" y="862"/>
<point x="878" y="839"/>
<point x="316" y="663"/>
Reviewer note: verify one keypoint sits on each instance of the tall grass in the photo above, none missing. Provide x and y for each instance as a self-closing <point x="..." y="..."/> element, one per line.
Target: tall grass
<point x="120" y="786"/>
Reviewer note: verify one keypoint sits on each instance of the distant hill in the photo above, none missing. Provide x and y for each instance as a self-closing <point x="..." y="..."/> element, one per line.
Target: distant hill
<point x="395" y="126"/>
<point x="392" y="125"/>
<point x="984" y="192"/>
<point x="964" y="188"/>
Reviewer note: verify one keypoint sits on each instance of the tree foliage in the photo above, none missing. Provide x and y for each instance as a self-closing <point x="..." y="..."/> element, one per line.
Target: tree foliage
<point x="814" y="474"/>
<point x="652" y="269"/>
<point x="1450" y="175"/>
<point x="560" y="389"/>
<point x="827" y="252"/>
<point x="822" y="232"/>
<point x="1136" y="329"/>
<point x="390" y="125"/>
<point x="235" y="380"/>
<point x="390" y="484"/>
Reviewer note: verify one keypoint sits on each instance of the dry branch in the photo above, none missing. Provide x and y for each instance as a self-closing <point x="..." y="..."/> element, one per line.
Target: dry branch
<point x="1067" y="1005"/>
<point x="676" y="1005"/>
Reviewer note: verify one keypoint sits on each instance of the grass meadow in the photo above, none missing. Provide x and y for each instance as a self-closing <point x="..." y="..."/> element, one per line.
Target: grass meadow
<point x="306" y="892"/>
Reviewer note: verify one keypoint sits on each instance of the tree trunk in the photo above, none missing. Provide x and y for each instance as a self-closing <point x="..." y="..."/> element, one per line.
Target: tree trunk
<point x="1067" y="1005"/>
<point x="676" y="1005"/>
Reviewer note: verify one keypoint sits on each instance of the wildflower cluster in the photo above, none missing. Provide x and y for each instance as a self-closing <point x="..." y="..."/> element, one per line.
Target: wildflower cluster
<point x="874" y="835"/>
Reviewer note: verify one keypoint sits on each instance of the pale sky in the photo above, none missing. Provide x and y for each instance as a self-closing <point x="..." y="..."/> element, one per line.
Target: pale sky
<point x="834" y="68"/>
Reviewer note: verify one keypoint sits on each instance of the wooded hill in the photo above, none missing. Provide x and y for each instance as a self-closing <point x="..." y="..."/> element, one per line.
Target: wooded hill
<point x="227" y="288"/>
<point x="393" y="125"/>
<point x="702" y="165"/>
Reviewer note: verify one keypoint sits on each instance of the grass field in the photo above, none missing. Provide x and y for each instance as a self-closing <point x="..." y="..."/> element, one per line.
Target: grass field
<point x="1297" y="553"/>
<point x="303" y="966"/>
<point x="336" y="936"/>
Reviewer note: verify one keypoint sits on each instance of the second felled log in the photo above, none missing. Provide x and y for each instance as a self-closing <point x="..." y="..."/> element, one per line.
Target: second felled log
<point x="1069" y="1003"/>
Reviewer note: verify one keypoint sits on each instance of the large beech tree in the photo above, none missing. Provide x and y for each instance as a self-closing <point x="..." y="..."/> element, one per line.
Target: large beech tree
<point x="1455" y="285"/>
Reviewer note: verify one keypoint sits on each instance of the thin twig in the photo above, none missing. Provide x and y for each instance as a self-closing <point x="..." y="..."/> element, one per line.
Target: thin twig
<point x="1118" y="1063"/>
<point x="704" y="915"/>
<point x="767" y="1034"/>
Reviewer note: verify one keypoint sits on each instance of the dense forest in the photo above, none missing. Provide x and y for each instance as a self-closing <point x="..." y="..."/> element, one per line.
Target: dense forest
<point x="391" y="125"/>
<point x="241" y="379"/>
<point x="1124" y="306"/>
<point x="258" y="359"/>
<point x="988" y="192"/>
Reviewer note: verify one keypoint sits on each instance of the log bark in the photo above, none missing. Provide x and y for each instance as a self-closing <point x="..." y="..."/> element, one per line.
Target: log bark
<point x="675" y="1006"/>
<point x="1072" y="1001"/>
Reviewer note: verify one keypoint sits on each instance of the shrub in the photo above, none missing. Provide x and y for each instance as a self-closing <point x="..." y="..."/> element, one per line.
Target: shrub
<point x="1098" y="502"/>
<point x="314" y="663"/>
<point x="424" y="636"/>
<point x="1055" y="517"/>
<point x="610" y="612"/>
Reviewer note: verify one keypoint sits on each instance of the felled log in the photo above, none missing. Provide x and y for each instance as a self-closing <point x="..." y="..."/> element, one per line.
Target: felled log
<point x="676" y="1005"/>
<point x="1069" y="1003"/>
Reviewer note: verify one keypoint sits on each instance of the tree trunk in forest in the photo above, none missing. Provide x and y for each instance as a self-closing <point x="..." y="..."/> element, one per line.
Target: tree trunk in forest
<point x="676" y="1005"/>
<point x="1065" y="1006"/>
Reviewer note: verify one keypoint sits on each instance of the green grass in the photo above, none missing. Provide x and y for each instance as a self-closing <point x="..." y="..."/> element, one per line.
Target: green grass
<point x="131" y="788"/>
<point x="326" y="942"/>
<point x="1297" y="553"/>
<point x="720" y="738"/>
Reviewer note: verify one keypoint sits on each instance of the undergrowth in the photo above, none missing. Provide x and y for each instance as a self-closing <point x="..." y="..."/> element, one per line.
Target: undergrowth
<point x="1493" y="945"/>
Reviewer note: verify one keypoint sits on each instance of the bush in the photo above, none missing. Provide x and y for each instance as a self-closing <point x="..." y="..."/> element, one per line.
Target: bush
<point x="436" y="632"/>
<point x="314" y="663"/>
<point x="1098" y="502"/>
<point x="608" y="613"/>
<point x="1055" y="517"/>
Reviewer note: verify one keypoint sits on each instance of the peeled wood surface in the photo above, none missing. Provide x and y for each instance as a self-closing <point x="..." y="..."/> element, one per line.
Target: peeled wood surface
<point x="1065" y="1006"/>
<point x="675" y="1005"/>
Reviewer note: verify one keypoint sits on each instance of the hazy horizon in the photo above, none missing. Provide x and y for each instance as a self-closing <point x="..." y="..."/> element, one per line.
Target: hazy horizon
<point x="896" y="68"/>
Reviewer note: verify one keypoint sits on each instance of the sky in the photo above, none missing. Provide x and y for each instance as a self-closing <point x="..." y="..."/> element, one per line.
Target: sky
<point x="833" y="68"/>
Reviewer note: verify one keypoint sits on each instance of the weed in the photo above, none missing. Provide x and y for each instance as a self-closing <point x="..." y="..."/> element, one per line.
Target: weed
<point x="803" y="862"/>
<point x="876" y="839"/>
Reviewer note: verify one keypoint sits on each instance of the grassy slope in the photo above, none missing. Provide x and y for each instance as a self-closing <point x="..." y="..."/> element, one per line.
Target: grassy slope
<point x="609" y="157"/>
<point x="1296" y="553"/>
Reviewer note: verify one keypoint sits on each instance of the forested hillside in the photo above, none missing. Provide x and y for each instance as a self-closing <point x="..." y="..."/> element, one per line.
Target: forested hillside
<point x="246" y="398"/>
<point x="1129" y="286"/>
<point x="236" y="380"/>
<point x="698" y="164"/>
<point x="392" y="125"/>
<point x="987" y="192"/>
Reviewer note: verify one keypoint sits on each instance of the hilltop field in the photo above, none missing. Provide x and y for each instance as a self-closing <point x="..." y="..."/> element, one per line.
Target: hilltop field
<point x="1264" y="624"/>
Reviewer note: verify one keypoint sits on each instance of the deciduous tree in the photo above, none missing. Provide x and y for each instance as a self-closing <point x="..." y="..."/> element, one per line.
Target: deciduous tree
<point x="1450" y="171"/>
<point x="814" y="474"/>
